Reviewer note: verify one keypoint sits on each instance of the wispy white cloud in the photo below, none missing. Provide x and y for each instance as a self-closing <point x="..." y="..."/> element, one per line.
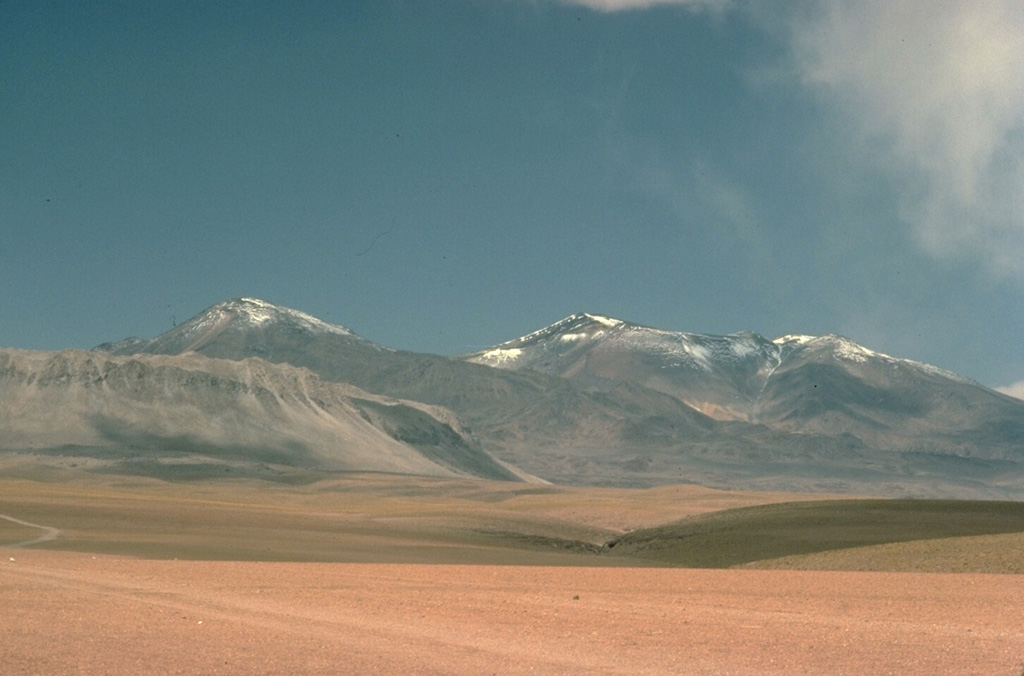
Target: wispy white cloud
<point x="623" y="5"/>
<point x="1014" y="390"/>
<point x="931" y="92"/>
<point x="935" y="92"/>
<point x="696" y="191"/>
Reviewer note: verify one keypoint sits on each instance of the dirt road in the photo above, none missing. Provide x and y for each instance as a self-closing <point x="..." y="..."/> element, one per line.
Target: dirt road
<point x="66" y="613"/>
<point x="49" y="533"/>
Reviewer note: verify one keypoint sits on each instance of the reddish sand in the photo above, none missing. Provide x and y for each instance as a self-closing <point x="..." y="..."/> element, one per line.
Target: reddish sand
<point x="65" y="613"/>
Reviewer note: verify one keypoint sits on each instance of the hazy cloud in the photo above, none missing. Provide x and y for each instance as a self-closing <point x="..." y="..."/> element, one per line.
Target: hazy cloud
<point x="935" y="92"/>
<point x="622" y="5"/>
<point x="1014" y="390"/>
<point x="931" y="93"/>
<point x="697" y="192"/>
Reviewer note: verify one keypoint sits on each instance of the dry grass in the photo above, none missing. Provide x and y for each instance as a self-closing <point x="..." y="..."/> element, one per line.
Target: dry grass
<point x="903" y="535"/>
<point x="387" y="518"/>
<point x="1001" y="553"/>
<point x="378" y="518"/>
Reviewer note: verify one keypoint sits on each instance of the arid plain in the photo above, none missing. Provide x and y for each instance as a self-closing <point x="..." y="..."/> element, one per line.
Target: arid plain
<point x="385" y="574"/>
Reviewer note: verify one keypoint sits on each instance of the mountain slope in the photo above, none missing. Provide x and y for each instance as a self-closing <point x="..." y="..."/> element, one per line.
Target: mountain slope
<point x="189" y="410"/>
<point x="594" y="400"/>
<point x="824" y="385"/>
<point x="249" y="327"/>
<point x="830" y="384"/>
<point x="502" y="407"/>
<point x="721" y="376"/>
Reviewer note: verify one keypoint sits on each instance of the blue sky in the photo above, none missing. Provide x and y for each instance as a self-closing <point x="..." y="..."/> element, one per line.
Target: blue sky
<point x="442" y="176"/>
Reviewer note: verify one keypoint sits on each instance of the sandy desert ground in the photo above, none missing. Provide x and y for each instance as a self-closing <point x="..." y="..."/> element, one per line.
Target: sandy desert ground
<point x="72" y="613"/>
<point x="385" y="579"/>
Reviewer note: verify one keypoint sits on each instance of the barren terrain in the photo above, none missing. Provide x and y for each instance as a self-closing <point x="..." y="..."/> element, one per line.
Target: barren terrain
<point x="376" y="574"/>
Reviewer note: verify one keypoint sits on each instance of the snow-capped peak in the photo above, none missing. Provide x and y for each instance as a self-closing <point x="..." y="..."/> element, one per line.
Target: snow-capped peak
<point x="252" y="322"/>
<point x="257" y="312"/>
<point x="570" y="331"/>
<point x="571" y="325"/>
<point x="558" y="345"/>
<point x="245" y="313"/>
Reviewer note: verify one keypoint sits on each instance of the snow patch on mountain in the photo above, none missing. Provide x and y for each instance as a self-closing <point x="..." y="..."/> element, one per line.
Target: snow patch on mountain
<point x="499" y="356"/>
<point x="607" y="321"/>
<point x="249" y="313"/>
<point x="675" y="349"/>
<point x="796" y="339"/>
<point x="847" y="350"/>
<point x="567" y="329"/>
<point x="256" y="312"/>
<point x="572" y="337"/>
<point x="744" y="347"/>
<point x="677" y="346"/>
<point x="696" y="350"/>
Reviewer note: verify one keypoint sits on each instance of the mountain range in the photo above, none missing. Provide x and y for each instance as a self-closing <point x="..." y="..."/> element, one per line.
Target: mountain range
<point x="248" y="386"/>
